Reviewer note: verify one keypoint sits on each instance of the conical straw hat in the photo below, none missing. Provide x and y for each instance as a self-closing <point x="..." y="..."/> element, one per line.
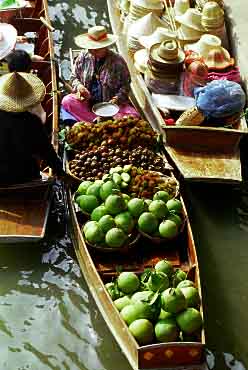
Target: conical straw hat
<point x="186" y="33"/>
<point x="148" y="4"/>
<point x="19" y="91"/>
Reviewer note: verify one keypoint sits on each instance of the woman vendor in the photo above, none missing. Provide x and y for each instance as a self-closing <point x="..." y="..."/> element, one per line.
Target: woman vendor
<point x="99" y="75"/>
<point x="23" y="140"/>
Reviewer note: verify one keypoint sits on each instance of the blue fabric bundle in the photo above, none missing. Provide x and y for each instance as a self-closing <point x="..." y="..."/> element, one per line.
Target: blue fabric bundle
<point x="220" y="98"/>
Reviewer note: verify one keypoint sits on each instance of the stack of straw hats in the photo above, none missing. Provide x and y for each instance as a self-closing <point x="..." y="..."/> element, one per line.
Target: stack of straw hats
<point x="165" y="65"/>
<point x="143" y="27"/>
<point x="190" y="28"/>
<point x="212" y="16"/>
<point x="140" y="60"/>
<point x="140" y="8"/>
<point x="214" y="55"/>
<point x="181" y="6"/>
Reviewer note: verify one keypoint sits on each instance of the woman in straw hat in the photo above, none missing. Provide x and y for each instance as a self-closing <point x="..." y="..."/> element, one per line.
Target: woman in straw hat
<point x="23" y="140"/>
<point x="99" y="75"/>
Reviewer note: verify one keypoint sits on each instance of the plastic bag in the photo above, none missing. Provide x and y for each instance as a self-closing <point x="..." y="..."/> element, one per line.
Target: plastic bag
<point x="220" y="98"/>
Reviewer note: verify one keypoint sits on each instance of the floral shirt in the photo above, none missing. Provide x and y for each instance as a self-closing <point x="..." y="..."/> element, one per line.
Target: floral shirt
<point x="114" y="75"/>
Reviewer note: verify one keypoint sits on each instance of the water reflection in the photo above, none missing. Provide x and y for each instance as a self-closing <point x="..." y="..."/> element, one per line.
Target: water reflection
<point x="47" y="317"/>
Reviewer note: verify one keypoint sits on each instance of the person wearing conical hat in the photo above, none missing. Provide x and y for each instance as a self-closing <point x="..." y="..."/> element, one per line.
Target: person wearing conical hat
<point x="23" y="140"/>
<point x="99" y="75"/>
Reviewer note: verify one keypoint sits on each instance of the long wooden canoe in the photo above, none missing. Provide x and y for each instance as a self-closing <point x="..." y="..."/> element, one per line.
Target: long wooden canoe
<point x="200" y="153"/>
<point x="24" y="208"/>
<point x="99" y="268"/>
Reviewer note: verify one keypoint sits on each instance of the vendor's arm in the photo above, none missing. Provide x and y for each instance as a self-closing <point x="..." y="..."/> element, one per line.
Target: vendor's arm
<point x="77" y="72"/>
<point x="43" y="148"/>
<point x="124" y="78"/>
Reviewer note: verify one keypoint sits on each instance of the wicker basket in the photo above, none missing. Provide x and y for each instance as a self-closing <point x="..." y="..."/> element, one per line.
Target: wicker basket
<point x="67" y="167"/>
<point x="160" y="240"/>
<point x="133" y="240"/>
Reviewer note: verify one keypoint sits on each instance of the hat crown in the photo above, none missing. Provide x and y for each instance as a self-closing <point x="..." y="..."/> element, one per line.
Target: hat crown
<point x="210" y="40"/>
<point x="181" y="6"/>
<point x="212" y="9"/>
<point x="97" y="33"/>
<point x="198" y="69"/>
<point x="16" y="86"/>
<point x="168" y="50"/>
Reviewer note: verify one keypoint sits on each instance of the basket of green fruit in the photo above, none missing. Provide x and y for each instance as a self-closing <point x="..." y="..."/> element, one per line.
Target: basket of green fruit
<point x="163" y="221"/>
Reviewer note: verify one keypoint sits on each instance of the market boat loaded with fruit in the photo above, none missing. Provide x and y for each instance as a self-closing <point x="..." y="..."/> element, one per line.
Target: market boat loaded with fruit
<point x="134" y="243"/>
<point x="203" y="142"/>
<point x="24" y="208"/>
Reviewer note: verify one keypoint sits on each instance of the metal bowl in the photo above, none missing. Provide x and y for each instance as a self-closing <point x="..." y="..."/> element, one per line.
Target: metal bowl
<point x="105" y="109"/>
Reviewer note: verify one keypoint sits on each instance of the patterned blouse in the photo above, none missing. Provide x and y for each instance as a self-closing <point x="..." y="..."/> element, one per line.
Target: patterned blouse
<point x="114" y="75"/>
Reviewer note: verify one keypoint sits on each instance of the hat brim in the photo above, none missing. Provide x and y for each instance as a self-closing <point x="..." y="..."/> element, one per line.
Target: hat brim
<point x="84" y="42"/>
<point x="20" y="103"/>
<point x="11" y="35"/>
<point x="183" y="20"/>
<point x="154" y="54"/>
<point x="212" y="66"/>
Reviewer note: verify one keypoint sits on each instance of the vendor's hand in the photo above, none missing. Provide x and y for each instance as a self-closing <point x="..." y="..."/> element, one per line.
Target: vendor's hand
<point x="83" y="92"/>
<point x="114" y="100"/>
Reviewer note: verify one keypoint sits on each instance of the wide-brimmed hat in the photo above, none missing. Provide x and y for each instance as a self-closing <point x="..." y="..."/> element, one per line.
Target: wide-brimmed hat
<point x="96" y="38"/>
<point x="181" y="6"/>
<point x="206" y="43"/>
<point x="212" y="15"/>
<point x="167" y="52"/>
<point x="191" y="18"/>
<point x="8" y="35"/>
<point x="159" y="35"/>
<point x="188" y="34"/>
<point x="218" y="58"/>
<point x="19" y="91"/>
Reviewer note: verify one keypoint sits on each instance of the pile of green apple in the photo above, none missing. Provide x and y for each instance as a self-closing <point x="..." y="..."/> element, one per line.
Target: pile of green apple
<point x="161" y="305"/>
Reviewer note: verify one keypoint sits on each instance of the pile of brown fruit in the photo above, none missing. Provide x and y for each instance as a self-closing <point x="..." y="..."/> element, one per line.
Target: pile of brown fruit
<point x="126" y="132"/>
<point x="93" y="164"/>
<point x="145" y="183"/>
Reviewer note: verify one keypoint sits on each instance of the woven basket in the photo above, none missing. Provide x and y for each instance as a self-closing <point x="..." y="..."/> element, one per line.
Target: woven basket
<point x="133" y="240"/>
<point x="67" y="168"/>
<point x="160" y="240"/>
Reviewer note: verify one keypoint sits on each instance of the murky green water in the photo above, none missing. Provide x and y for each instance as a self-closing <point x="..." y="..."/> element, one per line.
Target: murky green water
<point x="48" y="319"/>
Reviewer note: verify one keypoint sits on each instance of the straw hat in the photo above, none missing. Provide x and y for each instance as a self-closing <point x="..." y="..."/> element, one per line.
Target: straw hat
<point x="167" y="53"/>
<point x="219" y="58"/>
<point x="212" y="15"/>
<point x="181" y="6"/>
<point x="140" y="60"/>
<point x="145" y="26"/>
<point x="19" y="91"/>
<point x="159" y="35"/>
<point x="206" y="43"/>
<point x="186" y="33"/>
<point x="148" y="4"/>
<point x="191" y="18"/>
<point x="96" y="38"/>
<point x="198" y="72"/>
<point x="8" y="35"/>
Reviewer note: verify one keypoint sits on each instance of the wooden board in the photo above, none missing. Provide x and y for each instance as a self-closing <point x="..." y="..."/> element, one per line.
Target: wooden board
<point x="183" y="158"/>
<point x="24" y="209"/>
<point x="23" y="218"/>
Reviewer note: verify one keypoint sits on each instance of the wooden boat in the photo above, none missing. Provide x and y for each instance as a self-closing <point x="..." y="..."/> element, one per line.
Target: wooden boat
<point x="99" y="268"/>
<point x="200" y="153"/>
<point x="24" y="208"/>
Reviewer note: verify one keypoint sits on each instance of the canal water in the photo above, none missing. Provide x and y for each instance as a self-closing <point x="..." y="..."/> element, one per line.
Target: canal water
<point x="48" y="319"/>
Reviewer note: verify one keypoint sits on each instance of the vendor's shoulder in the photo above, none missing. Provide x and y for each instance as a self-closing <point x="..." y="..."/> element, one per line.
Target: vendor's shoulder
<point x="117" y="57"/>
